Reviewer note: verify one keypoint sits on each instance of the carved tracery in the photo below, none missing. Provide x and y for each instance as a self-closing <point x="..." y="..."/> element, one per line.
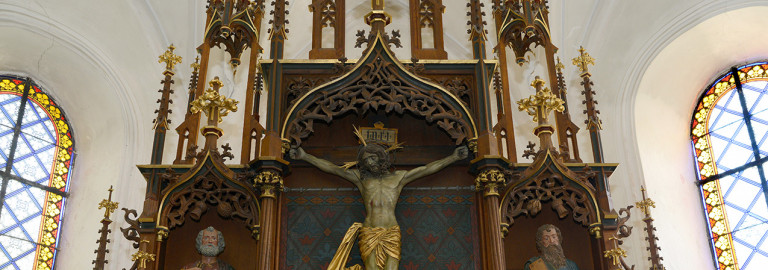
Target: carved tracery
<point x="210" y="190"/>
<point x="379" y="87"/>
<point x="527" y="199"/>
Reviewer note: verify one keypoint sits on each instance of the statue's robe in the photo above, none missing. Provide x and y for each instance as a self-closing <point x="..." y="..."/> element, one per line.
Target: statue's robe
<point x="218" y="265"/>
<point x="382" y="243"/>
<point x="537" y="263"/>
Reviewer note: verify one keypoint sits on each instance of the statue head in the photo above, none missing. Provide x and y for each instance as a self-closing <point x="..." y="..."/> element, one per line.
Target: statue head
<point x="548" y="242"/>
<point x="373" y="161"/>
<point x="210" y="242"/>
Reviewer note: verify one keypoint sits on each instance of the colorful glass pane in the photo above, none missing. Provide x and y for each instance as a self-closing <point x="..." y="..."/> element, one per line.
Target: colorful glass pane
<point x="735" y="202"/>
<point x="29" y="223"/>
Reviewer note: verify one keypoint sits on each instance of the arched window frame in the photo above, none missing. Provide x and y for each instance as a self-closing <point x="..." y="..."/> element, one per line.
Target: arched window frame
<point x="716" y="195"/>
<point x="34" y="100"/>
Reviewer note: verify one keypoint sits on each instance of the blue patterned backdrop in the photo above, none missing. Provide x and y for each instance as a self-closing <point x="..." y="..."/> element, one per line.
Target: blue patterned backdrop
<point x="438" y="228"/>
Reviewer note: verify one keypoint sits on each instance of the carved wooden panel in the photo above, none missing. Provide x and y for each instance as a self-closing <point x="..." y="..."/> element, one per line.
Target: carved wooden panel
<point x="327" y="13"/>
<point x="527" y="200"/>
<point x="427" y="14"/>
<point x="210" y="191"/>
<point x="379" y="87"/>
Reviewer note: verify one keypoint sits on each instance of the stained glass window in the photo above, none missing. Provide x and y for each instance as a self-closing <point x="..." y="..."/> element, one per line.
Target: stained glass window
<point x="729" y="134"/>
<point x="36" y="152"/>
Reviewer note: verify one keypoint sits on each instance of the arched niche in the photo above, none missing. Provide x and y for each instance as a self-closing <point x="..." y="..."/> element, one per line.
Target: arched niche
<point x="549" y="192"/>
<point x="208" y="194"/>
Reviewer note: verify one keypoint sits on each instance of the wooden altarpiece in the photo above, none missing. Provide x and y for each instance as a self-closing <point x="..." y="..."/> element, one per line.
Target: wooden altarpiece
<point x="277" y="213"/>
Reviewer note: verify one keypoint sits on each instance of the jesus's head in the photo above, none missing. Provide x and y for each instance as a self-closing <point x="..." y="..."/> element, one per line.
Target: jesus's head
<point x="373" y="161"/>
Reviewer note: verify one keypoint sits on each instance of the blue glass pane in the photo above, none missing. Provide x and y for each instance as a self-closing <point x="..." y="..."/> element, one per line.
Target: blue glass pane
<point x="35" y="150"/>
<point x="726" y="114"/>
<point x="20" y="226"/>
<point x="731" y="146"/>
<point x="9" y="109"/>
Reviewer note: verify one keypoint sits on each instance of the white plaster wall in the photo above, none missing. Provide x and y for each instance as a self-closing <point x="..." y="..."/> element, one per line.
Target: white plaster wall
<point x="665" y="101"/>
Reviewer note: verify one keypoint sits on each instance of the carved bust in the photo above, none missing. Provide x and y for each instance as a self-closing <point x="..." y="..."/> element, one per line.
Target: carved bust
<point x="551" y="257"/>
<point x="210" y="244"/>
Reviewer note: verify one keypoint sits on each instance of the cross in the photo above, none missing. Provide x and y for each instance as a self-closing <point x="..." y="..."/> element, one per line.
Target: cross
<point x="646" y="204"/>
<point x="108" y="204"/>
<point x="214" y="105"/>
<point x="169" y="58"/>
<point x="559" y="66"/>
<point x="195" y="66"/>
<point x="542" y="103"/>
<point x="583" y="60"/>
<point x="142" y="256"/>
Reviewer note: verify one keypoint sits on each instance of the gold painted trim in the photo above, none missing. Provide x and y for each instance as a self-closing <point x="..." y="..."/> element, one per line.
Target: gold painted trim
<point x="379" y="39"/>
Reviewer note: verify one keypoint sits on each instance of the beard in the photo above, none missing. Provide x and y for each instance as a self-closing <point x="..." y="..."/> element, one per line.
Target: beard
<point x="373" y="170"/>
<point x="209" y="250"/>
<point x="553" y="254"/>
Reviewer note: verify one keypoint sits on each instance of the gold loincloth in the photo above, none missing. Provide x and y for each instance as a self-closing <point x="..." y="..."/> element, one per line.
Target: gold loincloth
<point x="383" y="242"/>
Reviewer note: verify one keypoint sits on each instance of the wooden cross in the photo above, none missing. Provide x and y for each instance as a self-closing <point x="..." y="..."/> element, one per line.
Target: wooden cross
<point x="169" y="58"/>
<point x="583" y="60"/>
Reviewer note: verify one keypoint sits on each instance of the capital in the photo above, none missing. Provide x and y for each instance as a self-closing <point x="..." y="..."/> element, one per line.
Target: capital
<point x="270" y="182"/>
<point x="489" y="181"/>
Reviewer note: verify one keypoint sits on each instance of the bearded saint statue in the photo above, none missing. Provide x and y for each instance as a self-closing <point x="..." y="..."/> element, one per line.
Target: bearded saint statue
<point x="210" y="244"/>
<point x="548" y="242"/>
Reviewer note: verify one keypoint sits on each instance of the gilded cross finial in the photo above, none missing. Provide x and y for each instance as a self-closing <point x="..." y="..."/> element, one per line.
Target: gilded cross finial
<point x="143" y="257"/>
<point x="196" y="65"/>
<point x="212" y="103"/>
<point x="616" y="253"/>
<point x="646" y="204"/>
<point x="583" y="60"/>
<point x="542" y="103"/>
<point x="559" y="66"/>
<point x="169" y="58"/>
<point x="108" y="204"/>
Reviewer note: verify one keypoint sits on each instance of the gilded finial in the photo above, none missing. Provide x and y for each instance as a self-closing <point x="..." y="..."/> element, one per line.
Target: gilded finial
<point x="646" y="204"/>
<point x="196" y="65"/>
<point x="211" y="102"/>
<point x="108" y="204"/>
<point x="169" y="58"/>
<point x="559" y="66"/>
<point x="583" y="60"/>
<point x="542" y="103"/>
<point x="143" y="257"/>
<point x="616" y="253"/>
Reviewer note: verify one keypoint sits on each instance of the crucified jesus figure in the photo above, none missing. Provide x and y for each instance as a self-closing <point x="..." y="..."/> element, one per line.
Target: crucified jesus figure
<point x="380" y="188"/>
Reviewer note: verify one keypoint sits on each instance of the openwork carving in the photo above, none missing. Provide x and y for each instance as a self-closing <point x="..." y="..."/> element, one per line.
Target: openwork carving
<point x="525" y="24"/>
<point x="210" y="190"/>
<point x="527" y="199"/>
<point x="458" y="87"/>
<point x="426" y="14"/>
<point x="299" y="86"/>
<point x="379" y="86"/>
<point x="233" y="26"/>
